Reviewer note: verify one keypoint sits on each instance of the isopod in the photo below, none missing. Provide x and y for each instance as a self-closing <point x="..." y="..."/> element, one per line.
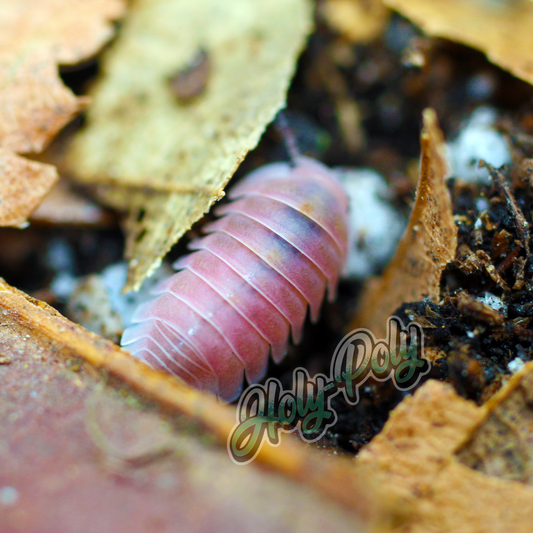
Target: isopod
<point x="247" y="286"/>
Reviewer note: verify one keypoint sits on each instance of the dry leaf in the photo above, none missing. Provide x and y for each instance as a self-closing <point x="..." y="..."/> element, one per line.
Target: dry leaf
<point x="34" y="104"/>
<point x="428" y="244"/>
<point x="501" y="30"/>
<point x="64" y="206"/>
<point x="81" y="452"/>
<point x="502" y="445"/>
<point x="37" y="340"/>
<point x="421" y="454"/>
<point x="360" y="21"/>
<point x="34" y="39"/>
<point x="23" y="183"/>
<point x="167" y="161"/>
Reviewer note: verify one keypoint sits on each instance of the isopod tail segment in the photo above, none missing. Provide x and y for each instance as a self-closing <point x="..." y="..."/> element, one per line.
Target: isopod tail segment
<point x="246" y="287"/>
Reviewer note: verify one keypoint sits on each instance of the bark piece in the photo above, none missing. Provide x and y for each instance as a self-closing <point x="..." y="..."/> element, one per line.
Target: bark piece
<point x="428" y="244"/>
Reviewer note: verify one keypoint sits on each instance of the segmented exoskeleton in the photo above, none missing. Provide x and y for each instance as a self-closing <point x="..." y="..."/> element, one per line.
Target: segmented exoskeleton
<point x="247" y="286"/>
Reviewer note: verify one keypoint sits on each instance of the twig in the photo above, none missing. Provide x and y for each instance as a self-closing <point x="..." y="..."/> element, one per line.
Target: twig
<point x="522" y="226"/>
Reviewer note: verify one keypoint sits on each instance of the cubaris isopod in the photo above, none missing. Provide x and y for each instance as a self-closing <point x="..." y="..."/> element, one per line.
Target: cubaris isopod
<point x="246" y="288"/>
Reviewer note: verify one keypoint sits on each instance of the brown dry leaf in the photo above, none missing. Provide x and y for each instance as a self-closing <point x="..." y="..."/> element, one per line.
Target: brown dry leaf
<point x="65" y="436"/>
<point x="502" y="445"/>
<point x="34" y="38"/>
<point x="34" y="104"/>
<point x="167" y="161"/>
<point x="23" y="184"/>
<point x="64" y="206"/>
<point x="428" y="244"/>
<point x="501" y="30"/>
<point x="360" y="21"/>
<point x="421" y="455"/>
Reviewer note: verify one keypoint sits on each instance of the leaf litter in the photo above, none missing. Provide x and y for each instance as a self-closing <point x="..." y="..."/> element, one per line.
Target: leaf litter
<point x="34" y="103"/>
<point x="166" y="161"/>
<point x="480" y="323"/>
<point x="82" y="451"/>
<point x="458" y="466"/>
<point x="437" y="449"/>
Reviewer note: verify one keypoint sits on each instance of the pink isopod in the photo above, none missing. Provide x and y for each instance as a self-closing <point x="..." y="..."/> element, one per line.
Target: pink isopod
<point x="246" y="288"/>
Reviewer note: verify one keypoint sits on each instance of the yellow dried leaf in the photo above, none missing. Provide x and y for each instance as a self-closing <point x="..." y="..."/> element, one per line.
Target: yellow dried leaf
<point x="428" y="244"/>
<point x="421" y="455"/>
<point x="360" y="21"/>
<point x="501" y="30"/>
<point x="165" y="160"/>
<point x="23" y="184"/>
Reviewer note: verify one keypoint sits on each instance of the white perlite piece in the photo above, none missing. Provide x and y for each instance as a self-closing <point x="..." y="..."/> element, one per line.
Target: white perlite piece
<point x="114" y="278"/>
<point x="477" y="140"/>
<point x="8" y="495"/>
<point x="515" y="365"/>
<point x="98" y="304"/>
<point x="494" y="301"/>
<point x="375" y="225"/>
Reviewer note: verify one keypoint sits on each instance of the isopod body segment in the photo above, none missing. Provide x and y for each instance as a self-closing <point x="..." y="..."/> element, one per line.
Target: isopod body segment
<point x="247" y="286"/>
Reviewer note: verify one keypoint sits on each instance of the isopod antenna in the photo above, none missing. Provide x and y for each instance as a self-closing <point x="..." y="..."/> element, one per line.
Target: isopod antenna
<point x="289" y="139"/>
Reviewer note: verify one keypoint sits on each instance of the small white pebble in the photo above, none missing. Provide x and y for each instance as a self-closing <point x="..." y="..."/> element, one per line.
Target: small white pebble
<point x="8" y="495"/>
<point x="477" y="140"/>
<point x="63" y="285"/>
<point x="482" y="204"/>
<point x="60" y="256"/>
<point x="114" y="279"/>
<point x="493" y="301"/>
<point x="478" y="224"/>
<point x="515" y="365"/>
<point x="481" y="86"/>
<point x="375" y="225"/>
